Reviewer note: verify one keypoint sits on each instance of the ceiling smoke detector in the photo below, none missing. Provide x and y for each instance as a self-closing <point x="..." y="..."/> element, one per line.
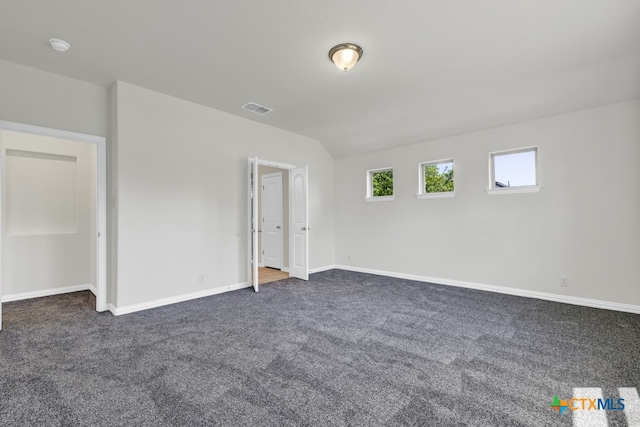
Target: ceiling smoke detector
<point x="59" y="45"/>
<point x="257" y="108"/>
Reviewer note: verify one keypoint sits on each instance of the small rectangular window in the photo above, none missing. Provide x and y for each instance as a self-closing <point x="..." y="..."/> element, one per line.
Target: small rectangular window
<point x="380" y="184"/>
<point x="514" y="169"/>
<point x="436" y="179"/>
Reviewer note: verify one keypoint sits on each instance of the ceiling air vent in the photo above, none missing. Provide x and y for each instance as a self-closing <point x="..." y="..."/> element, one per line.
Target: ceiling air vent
<point x="257" y="108"/>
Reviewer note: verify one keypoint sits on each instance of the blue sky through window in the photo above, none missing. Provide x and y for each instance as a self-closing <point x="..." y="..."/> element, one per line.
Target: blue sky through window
<point x="515" y="169"/>
<point x="442" y="167"/>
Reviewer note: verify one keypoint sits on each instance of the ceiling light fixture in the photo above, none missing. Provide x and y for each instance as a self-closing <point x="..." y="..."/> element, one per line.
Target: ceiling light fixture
<point x="345" y="55"/>
<point x="59" y="45"/>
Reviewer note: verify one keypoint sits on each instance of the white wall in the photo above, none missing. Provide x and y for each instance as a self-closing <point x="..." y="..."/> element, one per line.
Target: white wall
<point x="48" y="203"/>
<point x="583" y="224"/>
<point x="182" y="183"/>
<point x="178" y="222"/>
<point x="112" y="197"/>
<point x="264" y="170"/>
<point x="39" y="98"/>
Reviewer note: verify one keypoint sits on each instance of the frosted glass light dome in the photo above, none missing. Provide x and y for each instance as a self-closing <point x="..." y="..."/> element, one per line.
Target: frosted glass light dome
<point x="345" y="55"/>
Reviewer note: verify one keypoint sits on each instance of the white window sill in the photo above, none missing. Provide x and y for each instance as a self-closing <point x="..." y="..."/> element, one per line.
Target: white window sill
<point x="513" y="190"/>
<point x="442" y="195"/>
<point x="379" y="199"/>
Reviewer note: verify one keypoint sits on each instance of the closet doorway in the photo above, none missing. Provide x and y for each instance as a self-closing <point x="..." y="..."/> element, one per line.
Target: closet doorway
<point x="52" y="213"/>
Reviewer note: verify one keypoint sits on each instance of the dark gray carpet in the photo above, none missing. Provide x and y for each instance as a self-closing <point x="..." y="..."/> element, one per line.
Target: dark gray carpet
<point x="342" y="349"/>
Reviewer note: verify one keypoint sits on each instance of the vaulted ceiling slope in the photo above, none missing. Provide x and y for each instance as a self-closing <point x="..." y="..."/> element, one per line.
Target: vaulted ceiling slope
<point x="431" y="68"/>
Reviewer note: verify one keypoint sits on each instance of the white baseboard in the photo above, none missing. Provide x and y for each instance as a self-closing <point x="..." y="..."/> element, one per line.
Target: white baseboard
<point x="48" y="292"/>
<point x="325" y="268"/>
<point x="111" y="308"/>
<point x="607" y="305"/>
<point x="118" y="311"/>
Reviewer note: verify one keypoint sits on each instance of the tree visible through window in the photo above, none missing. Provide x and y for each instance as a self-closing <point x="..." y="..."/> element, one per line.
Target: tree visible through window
<point x="438" y="177"/>
<point x="382" y="183"/>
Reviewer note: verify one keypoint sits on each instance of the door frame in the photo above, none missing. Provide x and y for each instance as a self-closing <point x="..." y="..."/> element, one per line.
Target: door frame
<point x="252" y="165"/>
<point x="261" y="227"/>
<point x="101" y="199"/>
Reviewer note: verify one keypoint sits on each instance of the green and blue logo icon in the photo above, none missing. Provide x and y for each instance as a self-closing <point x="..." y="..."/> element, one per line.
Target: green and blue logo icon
<point x="559" y="405"/>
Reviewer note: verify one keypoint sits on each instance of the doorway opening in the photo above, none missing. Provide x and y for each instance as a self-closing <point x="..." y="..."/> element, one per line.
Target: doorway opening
<point x="273" y="215"/>
<point x="268" y="275"/>
<point x="52" y="213"/>
<point x="277" y="220"/>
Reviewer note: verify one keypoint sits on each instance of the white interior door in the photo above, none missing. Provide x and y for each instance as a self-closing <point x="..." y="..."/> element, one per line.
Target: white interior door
<point x="272" y="231"/>
<point x="252" y="243"/>
<point x="299" y="224"/>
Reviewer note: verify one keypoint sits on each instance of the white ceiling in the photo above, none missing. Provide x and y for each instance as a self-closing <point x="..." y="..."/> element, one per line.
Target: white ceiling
<point x="431" y="68"/>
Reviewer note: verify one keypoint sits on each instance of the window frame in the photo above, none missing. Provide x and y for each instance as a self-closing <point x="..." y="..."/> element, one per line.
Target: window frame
<point x="422" y="193"/>
<point x="369" y="194"/>
<point x="493" y="190"/>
